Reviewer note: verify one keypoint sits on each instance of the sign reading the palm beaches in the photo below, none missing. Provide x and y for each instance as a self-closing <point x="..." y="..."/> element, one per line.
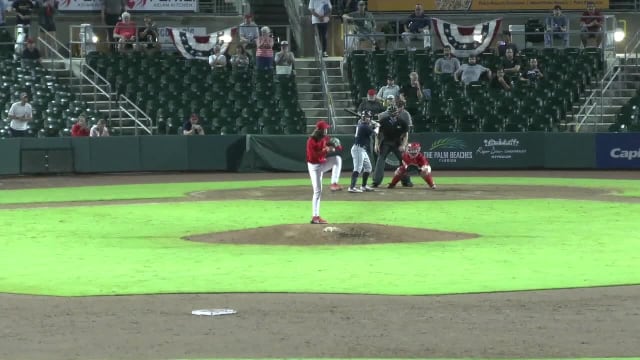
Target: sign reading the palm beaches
<point x="131" y="5"/>
<point x="481" y="5"/>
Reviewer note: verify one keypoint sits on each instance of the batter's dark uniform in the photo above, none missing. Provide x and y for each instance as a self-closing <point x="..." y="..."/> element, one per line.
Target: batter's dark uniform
<point x="391" y="132"/>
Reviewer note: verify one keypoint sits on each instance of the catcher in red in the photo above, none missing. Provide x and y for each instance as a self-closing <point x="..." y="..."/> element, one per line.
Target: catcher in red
<point x="413" y="158"/>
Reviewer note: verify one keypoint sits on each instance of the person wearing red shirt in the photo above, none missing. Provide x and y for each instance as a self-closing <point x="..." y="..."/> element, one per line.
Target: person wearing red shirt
<point x="413" y="158"/>
<point x="125" y="32"/>
<point x="591" y="25"/>
<point x="318" y="163"/>
<point x="80" y="127"/>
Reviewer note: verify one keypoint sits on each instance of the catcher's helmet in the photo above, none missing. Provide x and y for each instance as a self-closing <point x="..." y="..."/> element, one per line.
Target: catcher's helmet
<point x="413" y="149"/>
<point x="366" y="115"/>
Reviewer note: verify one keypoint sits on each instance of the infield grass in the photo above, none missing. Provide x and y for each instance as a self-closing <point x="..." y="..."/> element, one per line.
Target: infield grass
<point x="137" y="249"/>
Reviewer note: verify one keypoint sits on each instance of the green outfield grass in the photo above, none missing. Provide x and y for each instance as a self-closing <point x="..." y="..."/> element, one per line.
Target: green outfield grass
<point x="137" y="249"/>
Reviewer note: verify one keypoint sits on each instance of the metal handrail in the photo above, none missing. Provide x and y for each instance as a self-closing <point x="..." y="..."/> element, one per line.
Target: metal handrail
<point x="328" y="99"/>
<point x="44" y="36"/>
<point x="96" y="87"/>
<point x="602" y="91"/>
<point x="134" y="117"/>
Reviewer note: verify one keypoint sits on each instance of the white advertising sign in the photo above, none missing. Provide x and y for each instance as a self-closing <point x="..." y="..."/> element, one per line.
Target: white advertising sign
<point x="132" y="5"/>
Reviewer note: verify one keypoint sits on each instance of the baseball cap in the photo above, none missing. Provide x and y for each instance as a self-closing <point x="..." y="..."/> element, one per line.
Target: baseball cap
<point x="371" y="92"/>
<point x="390" y="97"/>
<point x="321" y="125"/>
<point x="194" y="116"/>
<point x="29" y="41"/>
<point x="284" y="42"/>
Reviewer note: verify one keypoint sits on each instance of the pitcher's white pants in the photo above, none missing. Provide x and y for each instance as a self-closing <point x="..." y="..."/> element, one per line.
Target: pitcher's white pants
<point x="316" y="171"/>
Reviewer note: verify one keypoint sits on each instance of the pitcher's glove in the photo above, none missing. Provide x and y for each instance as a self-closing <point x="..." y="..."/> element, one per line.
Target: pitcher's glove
<point x="335" y="142"/>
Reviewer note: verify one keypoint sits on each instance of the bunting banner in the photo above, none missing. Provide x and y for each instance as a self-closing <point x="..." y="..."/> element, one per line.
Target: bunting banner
<point x="193" y="46"/>
<point x="466" y="40"/>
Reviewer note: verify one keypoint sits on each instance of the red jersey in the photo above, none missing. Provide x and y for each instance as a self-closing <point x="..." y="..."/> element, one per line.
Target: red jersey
<point x="588" y="17"/>
<point x="316" y="153"/>
<point x="419" y="160"/>
<point x="126" y="30"/>
<point x="77" y="130"/>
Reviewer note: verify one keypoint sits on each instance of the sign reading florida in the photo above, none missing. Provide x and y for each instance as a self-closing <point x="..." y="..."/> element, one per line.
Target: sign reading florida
<point x="481" y="5"/>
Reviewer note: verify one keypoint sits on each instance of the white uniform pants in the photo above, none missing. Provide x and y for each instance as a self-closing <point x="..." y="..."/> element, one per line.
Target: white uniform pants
<point x="316" y="171"/>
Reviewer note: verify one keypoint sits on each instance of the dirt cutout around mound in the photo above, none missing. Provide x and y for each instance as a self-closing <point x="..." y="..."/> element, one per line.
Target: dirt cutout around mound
<point x="330" y="234"/>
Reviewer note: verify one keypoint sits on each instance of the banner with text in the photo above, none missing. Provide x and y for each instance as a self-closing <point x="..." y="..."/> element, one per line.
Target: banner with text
<point x="132" y="5"/>
<point x="618" y="151"/>
<point x="482" y="5"/>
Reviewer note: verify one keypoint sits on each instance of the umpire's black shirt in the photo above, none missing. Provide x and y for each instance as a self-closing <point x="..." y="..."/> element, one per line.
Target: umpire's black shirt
<point x="392" y="129"/>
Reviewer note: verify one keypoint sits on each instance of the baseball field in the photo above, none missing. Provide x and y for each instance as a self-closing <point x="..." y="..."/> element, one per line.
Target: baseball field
<point x="518" y="264"/>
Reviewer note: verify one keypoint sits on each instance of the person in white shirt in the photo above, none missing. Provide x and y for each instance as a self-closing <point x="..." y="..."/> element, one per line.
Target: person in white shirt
<point x="320" y="16"/>
<point x="99" y="129"/>
<point x="390" y="89"/>
<point x="217" y="60"/>
<point x="20" y="114"/>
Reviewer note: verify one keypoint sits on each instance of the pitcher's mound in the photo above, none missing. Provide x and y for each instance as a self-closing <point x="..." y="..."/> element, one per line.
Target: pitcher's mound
<point x="331" y="234"/>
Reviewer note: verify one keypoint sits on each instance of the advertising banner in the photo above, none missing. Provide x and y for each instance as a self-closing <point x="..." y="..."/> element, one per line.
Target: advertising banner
<point x="482" y="5"/>
<point x="618" y="151"/>
<point x="486" y="150"/>
<point x="131" y="5"/>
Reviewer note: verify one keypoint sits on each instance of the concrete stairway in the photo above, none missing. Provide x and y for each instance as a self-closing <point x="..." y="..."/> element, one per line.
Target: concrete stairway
<point x="606" y="107"/>
<point x="311" y="97"/>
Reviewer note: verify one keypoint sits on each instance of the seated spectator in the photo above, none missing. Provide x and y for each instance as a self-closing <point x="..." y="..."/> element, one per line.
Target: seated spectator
<point x="125" y="32"/>
<point x="510" y="64"/>
<point x="417" y="27"/>
<point x="217" y="60"/>
<point x="390" y="89"/>
<point x="412" y="95"/>
<point x="99" y="129"/>
<point x="365" y="26"/>
<point x="248" y="32"/>
<point x="557" y="26"/>
<point x="148" y="36"/>
<point x="532" y="74"/>
<point x="447" y="64"/>
<point x="591" y="25"/>
<point x="240" y="61"/>
<point x="284" y="59"/>
<point x="371" y="104"/>
<point x="80" y="127"/>
<point x="471" y="71"/>
<point x="264" y="53"/>
<point x="500" y="81"/>
<point x="20" y="113"/>
<point x="31" y="54"/>
<point x="506" y="43"/>
<point x="191" y="126"/>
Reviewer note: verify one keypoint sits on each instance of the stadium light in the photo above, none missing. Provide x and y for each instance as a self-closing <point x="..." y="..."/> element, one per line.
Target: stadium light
<point x="618" y="35"/>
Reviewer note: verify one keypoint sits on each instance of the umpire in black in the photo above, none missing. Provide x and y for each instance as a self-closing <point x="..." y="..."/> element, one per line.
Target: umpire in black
<point x="392" y="137"/>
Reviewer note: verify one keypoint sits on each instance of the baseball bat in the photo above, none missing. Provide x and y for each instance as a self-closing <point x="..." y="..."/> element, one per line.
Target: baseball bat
<point x="352" y="112"/>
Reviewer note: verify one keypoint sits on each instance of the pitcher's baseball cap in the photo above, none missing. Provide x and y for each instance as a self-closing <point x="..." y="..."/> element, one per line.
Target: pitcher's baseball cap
<point x="321" y="125"/>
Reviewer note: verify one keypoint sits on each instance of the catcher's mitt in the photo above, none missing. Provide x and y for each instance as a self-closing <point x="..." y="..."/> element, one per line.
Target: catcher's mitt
<point x="335" y="142"/>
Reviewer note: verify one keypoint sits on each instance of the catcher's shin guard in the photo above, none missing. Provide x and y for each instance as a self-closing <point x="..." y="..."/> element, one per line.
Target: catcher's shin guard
<point x="428" y="179"/>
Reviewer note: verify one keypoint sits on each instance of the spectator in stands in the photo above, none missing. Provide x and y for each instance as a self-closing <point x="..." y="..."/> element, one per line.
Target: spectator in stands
<point x="47" y="11"/>
<point x="320" y="17"/>
<point x="365" y="25"/>
<point x="284" y="59"/>
<point x="23" y="9"/>
<point x="506" y="43"/>
<point x="500" y="81"/>
<point x="390" y="89"/>
<point x="372" y="104"/>
<point x="447" y="64"/>
<point x="532" y="73"/>
<point x="3" y="10"/>
<point x="191" y="126"/>
<point x="350" y="6"/>
<point x="417" y="27"/>
<point x="248" y="32"/>
<point x="471" y="71"/>
<point x="240" y="61"/>
<point x="20" y="113"/>
<point x="217" y="60"/>
<point x="99" y="129"/>
<point x="31" y="54"/>
<point x="125" y="32"/>
<point x="148" y="36"/>
<point x="80" y="127"/>
<point x="557" y="26"/>
<point x="591" y="25"/>
<point x="111" y="10"/>
<point x="510" y="64"/>
<point x="412" y="95"/>
<point x="264" y="53"/>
